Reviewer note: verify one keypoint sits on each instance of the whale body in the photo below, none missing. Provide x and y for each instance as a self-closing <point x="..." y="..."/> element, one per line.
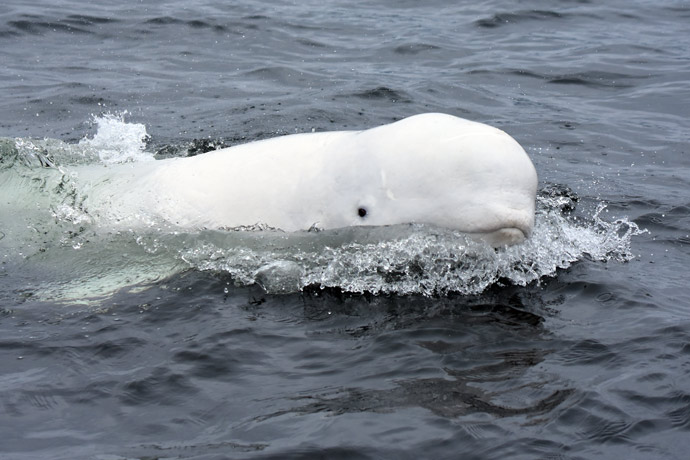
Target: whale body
<point x="431" y="168"/>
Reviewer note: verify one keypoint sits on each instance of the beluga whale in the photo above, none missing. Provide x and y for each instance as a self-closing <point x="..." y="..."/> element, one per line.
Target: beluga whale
<point x="431" y="168"/>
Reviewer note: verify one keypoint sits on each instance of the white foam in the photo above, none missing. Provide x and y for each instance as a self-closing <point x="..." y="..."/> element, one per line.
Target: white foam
<point x="117" y="141"/>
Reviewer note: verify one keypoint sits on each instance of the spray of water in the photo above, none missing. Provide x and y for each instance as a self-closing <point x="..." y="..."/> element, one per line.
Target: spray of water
<point x="117" y="141"/>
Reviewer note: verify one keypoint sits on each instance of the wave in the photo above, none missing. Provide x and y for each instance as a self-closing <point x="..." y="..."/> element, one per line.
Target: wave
<point x="502" y="19"/>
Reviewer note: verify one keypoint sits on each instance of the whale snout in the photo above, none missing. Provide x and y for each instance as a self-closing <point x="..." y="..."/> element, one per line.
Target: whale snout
<point x="509" y="231"/>
<point x="504" y="237"/>
<point x="504" y="226"/>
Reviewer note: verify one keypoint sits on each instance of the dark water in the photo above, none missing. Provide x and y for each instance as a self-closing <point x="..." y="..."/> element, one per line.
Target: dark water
<point x="592" y="361"/>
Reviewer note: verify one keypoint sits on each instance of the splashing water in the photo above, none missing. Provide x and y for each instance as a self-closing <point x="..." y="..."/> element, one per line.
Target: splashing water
<point x="419" y="259"/>
<point x="117" y="141"/>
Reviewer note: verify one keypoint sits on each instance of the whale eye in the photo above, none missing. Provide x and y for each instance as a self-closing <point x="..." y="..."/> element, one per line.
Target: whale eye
<point x="361" y="212"/>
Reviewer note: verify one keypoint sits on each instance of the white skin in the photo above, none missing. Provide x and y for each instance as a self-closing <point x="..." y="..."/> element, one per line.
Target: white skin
<point x="430" y="168"/>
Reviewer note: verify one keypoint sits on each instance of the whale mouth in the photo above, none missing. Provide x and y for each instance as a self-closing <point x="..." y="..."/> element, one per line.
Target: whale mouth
<point x="506" y="236"/>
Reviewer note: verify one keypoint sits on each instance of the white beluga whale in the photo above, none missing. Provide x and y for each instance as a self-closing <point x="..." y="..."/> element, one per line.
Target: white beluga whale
<point x="430" y="169"/>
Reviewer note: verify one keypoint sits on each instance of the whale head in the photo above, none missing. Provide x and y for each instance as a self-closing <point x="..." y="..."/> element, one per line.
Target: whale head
<point x="434" y="169"/>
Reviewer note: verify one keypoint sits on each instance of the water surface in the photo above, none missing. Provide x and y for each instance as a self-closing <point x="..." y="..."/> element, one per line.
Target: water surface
<point x="161" y="345"/>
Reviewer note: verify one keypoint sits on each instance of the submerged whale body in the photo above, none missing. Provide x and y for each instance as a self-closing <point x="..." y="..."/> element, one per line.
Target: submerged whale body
<point x="431" y="168"/>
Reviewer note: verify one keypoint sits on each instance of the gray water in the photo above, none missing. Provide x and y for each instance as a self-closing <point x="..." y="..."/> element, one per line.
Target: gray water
<point x="157" y="344"/>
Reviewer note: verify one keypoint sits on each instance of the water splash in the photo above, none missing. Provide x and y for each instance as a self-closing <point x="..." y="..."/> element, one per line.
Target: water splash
<point x="416" y="259"/>
<point x="117" y="141"/>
